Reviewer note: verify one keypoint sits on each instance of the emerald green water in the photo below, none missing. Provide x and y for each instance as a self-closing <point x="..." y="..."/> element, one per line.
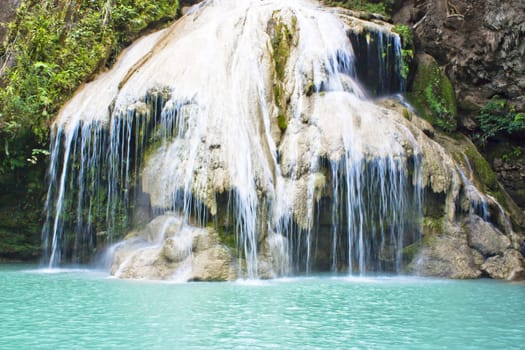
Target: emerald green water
<point x="76" y="309"/>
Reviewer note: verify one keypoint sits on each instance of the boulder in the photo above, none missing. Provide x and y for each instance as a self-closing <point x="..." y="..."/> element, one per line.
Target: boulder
<point x="167" y="249"/>
<point x="161" y="227"/>
<point x="446" y="256"/>
<point x="510" y="266"/>
<point x="485" y="238"/>
<point x="214" y="264"/>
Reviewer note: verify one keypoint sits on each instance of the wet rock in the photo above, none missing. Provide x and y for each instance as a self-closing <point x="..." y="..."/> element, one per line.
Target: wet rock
<point x="176" y="249"/>
<point x="485" y="238"/>
<point x="447" y="256"/>
<point x="168" y="250"/>
<point x="478" y="258"/>
<point x="162" y="226"/>
<point x="213" y="264"/>
<point x="509" y="266"/>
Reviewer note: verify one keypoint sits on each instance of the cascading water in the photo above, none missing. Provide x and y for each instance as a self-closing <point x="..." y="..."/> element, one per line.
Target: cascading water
<point x="247" y="116"/>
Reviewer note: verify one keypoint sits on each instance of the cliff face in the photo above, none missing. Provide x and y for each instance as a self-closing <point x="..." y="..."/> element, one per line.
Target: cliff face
<point x="481" y="45"/>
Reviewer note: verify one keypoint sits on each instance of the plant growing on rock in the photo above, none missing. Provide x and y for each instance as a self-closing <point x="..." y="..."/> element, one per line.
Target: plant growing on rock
<point x="407" y="51"/>
<point x="497" y="118"/>
<point x="433" y="95"/>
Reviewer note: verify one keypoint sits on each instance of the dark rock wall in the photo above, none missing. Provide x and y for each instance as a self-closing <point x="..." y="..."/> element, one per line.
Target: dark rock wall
<point x="481" y="44"/>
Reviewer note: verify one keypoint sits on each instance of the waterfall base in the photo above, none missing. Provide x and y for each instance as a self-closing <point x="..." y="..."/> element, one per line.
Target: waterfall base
<point x="167" y="249"/>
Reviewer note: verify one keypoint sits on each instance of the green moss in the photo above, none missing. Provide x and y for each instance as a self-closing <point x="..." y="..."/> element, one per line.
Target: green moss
<point x="406" y="114"/>
<point x="482" y="169"/>
<point x="283" y="124"/>
<point x="410" y="252"/>
<point x="227" y="237"/>
<point x="433" y="226"/>
<point x="433" y="95"/>
<point x="282" y="41"/>
<point x="502" y="199"/>
<point x="310" y="89"/>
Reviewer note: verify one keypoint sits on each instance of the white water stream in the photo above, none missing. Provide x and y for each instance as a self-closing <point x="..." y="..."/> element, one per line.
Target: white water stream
<point x="256" y="101"/>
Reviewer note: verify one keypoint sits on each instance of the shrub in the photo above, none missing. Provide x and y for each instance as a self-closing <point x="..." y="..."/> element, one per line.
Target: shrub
<point x="497" y="117"/>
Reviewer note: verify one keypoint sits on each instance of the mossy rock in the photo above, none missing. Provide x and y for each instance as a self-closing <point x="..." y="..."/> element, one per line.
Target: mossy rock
<point x="283" y="39"/>
<point x="227" y="237"/>
<point x="482" y="168"/>
<point x="432" y="94"/>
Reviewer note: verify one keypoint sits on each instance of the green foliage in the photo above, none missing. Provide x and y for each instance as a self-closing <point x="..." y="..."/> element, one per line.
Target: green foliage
<point x="381" y="7"/>
<point x="513" y="154"/>
<point x="54" y="46"/>
<point x="407" y="56"/>
<point x="433" y="95"/>
<point x="405" y="32"/>
<point x="497" y="117"/>
<point x="407" y="51"/>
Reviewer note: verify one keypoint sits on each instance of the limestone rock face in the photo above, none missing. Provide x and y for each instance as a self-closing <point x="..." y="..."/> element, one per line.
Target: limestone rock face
<point x="485" y="238"/>
<point x="509" y="266"/>
<point x="470" y="249"/>
<point x="479" y="43"/>
<point x="168" y="250"/>
<point x="447" y="256"/>
<point x="213" y="264"/>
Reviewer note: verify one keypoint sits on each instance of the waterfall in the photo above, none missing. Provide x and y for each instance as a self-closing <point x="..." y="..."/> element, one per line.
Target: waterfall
<point x="252" y="116"/>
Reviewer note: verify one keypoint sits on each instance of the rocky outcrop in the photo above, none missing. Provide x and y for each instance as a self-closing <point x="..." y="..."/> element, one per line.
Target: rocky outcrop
<point x="485" y="238"/>
<point x="480" y="44"/>
<point x="510" y="168"/>
<point x="472" y="249"/>
<point x="447" y="255"/>
<point x="168" y="250"/>
<point x="509" y="265"/>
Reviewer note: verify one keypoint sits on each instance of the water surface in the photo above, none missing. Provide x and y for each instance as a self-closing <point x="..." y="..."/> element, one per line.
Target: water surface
<point x="82" y="309"/>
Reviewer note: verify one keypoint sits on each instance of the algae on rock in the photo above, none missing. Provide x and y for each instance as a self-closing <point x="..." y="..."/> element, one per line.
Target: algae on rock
<point x="433" y="95"/>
